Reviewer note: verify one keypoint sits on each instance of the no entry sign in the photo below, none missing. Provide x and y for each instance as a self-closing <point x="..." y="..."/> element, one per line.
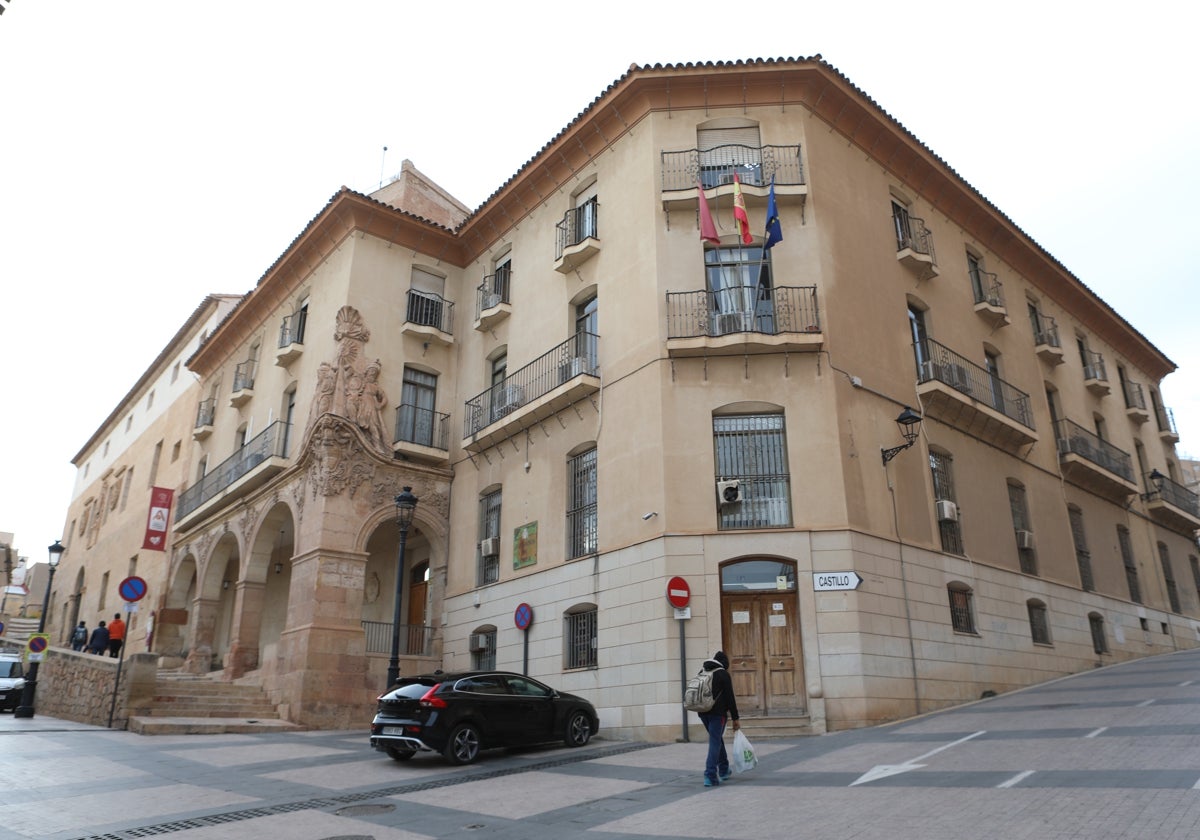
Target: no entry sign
<point x="678" y="592"/>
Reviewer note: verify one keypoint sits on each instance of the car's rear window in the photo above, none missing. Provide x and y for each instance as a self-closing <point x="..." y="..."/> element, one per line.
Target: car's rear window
<point x="414" y="690"/>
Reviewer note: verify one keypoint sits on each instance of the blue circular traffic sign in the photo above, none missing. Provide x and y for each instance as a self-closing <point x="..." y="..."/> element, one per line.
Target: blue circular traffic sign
<point x="132" y="588"/>
<point x="523" y="617"/>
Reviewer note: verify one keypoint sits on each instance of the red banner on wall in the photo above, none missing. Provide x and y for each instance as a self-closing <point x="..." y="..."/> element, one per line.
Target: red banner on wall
<point x="157" y="519"/>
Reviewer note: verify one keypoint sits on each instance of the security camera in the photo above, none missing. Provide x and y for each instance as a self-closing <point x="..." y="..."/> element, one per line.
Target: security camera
<point x="649" y="515"/>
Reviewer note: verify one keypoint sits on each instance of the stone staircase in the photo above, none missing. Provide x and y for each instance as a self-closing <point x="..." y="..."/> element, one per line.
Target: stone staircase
<point x="776" y="726"/>
<point x="18" y="630"/>
<point x="191" y="704"/>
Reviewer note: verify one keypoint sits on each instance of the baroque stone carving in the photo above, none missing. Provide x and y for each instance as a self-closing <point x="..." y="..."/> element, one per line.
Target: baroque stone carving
<point x="338" y="458"/>
<point x="349" y="386"/>
<point x="387" y="488"/>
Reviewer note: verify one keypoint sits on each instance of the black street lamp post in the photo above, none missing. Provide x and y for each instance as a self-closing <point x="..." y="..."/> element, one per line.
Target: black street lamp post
<point x="25" y="710"/>
<point x="406" y="505"/>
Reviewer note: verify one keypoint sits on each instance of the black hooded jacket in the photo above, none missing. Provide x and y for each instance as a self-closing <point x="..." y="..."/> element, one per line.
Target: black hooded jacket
<point x="723" y="700"/>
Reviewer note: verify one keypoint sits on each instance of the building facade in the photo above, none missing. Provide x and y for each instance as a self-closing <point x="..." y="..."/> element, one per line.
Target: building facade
<point x="592" y="391"/>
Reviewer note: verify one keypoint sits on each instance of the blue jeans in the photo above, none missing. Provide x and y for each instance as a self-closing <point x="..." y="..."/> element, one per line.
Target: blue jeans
<point x="718" y="759"/>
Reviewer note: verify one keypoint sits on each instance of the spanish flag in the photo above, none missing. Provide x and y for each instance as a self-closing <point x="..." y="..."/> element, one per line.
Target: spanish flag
<point x="739" y="211"/>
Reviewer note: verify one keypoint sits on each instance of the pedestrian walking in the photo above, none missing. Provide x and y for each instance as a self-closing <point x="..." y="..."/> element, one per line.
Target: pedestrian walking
<point x="716" y="764"/>
<point x="79" y="636"/>
<point x="99" y="641"/>
<point x="116" y="636"/>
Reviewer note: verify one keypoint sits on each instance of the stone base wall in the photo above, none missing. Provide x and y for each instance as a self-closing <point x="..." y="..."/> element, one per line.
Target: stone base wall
<point x="79" y="687"/>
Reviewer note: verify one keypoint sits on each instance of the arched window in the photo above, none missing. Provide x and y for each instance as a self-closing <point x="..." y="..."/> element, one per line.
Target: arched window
<point x="483" y="648"/>
<point x="1039" y="622"/>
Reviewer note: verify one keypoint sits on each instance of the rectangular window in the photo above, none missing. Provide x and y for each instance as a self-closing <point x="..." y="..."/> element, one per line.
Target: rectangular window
<point x="154" y="464"/>
<point x="579" y="637"/>
<point x="943" y="490"/>
<point x="961" y="613"/>
<point x="1024" y="534"/>
<point x="1195" y="564"/>
<point x="1131" y="573"/>
<point x="488" y="550"/>
<point x="483" y="651"/>
<point x="741" y="295"/>
<point x="751" y="449"/>
<point x="125" y="488"/>
<point x="581" y="505"/>
<point x="415" y="419"/>
<point x="175" y="372"/>
<point x="1083" y="557"/>
<point x="1039" y="623"/>
<point x="1168" y="577"/>
<point x="1099" y="642"/>
<point x="103" y="591"/>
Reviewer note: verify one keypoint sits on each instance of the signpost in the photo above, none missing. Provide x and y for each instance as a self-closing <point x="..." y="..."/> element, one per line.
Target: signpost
<point x="523" y="618"/>
<point x="36" y="646"/>
<point x="132" y="590"/>
<point x="835" y="581"/>
<point x="679" y="594"/>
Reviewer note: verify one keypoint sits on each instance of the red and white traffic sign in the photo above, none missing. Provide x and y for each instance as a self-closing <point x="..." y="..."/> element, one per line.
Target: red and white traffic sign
<point x="678" y="592"/>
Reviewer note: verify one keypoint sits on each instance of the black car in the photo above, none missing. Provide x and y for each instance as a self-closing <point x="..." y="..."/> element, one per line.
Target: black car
<point x="462" y="713"/>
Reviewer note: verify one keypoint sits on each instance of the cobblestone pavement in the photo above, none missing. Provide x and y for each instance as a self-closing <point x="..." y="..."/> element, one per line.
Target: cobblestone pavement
<point x="1110" y="753"/>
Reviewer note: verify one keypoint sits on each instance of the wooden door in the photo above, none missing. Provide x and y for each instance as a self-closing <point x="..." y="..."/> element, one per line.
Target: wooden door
<point x="762" y="639"/>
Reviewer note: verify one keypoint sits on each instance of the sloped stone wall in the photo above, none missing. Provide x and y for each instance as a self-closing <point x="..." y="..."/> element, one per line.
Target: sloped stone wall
<point x="78" y="686"/>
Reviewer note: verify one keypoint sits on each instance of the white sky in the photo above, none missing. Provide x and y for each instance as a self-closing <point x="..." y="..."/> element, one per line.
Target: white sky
<point x="153" y="152"/>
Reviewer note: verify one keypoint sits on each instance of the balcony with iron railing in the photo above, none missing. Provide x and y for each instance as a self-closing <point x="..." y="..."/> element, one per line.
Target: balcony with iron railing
<point x="429" y="317"/>
<point x="1095" y="375"/>
<point x="206" y="413"/>
<point x="743" y="319"/>
<point x="1172" y="504"/>
<point x="421" y="432"/>
<point x="969" y="397"/>
<point x="989" y="298"/>
<point x="556" y="379"/>
<point x="291" y="338"/>
<point x="577" y="237"/>
<point x="1166" y="425"/>
<point x="1135" y="402"/>
<point x="243" y="382"/>
<point x="415" y="639"/>
<point x="492" y="304"/>
<point x="250" y="467"/>
<point x="1046" y="342"/>
<point x="914" y="246"/>
<point x="755" y="167"/>
<point x="1091" y="462"/>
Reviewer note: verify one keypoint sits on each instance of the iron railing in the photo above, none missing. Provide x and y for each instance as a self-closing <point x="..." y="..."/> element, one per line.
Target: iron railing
<point x="576" y="356"/>
<point x="936" y="362"/>
<point x="1134" y="397"/>
<point x="579" y="223"/>
<point x="415" y="639"/>
<point x="784" y="309"/>
<point x="1073" y="439"/>
<point x="755" y="166"/>
<point x="914" y="236"/>
<point x="1166" y="420"/>
<point x="243" y="376"/>
<point x="493" y="291"/>
<point x="291" y="331"/>
<point x="1093" y="366"/>
<point x="430" y="310"/>
<point x="422" y="426"/>
<point x="1166" y="490"/>
<point x="987" y="287"/>
<point x="1045" y="332"/>
<point x="205" y="412"/>
<point x="271" y="442"/>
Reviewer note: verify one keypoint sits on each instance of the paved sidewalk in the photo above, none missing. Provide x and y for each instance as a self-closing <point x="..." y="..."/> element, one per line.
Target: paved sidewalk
<point x="1112" y="753"/>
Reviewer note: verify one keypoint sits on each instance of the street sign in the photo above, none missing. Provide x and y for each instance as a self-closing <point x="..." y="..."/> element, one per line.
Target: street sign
<point x="37" y="644"/>
<point x="834" y="581"/>
<point x="678" y="592"/>
<point x="133" y="588"/>
<point x="523" y="617"/>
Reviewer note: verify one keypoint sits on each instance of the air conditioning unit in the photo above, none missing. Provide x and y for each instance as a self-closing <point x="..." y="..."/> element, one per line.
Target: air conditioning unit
<point x="509" y="398"/>
<point x="490" y="547"/>
<point x="957" y="377"/>
<point x="733" y="322"/>
<point x="480" y="642"/>
<point x="729" y="492"/>
<point x="947" y="511"/>
<point x="1024" y="539"/>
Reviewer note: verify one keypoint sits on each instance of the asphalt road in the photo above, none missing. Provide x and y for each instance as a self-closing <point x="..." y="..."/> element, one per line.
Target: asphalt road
<point x="1109" y="753"/>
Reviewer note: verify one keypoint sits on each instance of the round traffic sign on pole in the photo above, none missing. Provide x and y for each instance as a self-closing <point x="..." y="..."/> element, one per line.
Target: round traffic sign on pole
<point x="132" y="589"/>
<point x="523" y="617"/>
<point x="678" y="592"/>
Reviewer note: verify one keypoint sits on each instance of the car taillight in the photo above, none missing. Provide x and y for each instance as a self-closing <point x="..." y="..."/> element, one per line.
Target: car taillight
<point x="431" y="702"/>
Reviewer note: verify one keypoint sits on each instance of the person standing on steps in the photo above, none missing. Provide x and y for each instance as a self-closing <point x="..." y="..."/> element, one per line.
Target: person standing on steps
<point x="716" y="765"/>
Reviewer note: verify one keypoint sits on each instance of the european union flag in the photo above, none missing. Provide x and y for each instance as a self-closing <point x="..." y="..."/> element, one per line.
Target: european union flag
<point x="774" y="230"/>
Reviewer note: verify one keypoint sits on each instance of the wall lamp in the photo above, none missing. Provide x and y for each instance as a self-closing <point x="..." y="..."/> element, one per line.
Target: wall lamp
<point x="910" y="423"/>
<point x="1156" y="480"/>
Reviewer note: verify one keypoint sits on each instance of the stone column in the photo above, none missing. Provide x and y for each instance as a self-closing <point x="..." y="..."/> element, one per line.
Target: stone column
<point x="202" y="631"/>
<point x="243" y="635"/>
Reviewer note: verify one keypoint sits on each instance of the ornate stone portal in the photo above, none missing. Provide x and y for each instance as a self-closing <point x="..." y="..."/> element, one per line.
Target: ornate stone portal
<point x="349" y="387"/>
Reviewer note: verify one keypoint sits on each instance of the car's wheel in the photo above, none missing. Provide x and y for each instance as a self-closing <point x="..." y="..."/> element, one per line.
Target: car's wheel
<point x="579" y="729"/>
<point x="400" y="753"/>
<point x="463" y="746"/>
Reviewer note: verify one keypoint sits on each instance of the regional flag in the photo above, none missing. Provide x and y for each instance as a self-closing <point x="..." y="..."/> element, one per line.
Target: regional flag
<point x="739" y="211"/>
<point x="774" y="230"/>
<point x="708" y="230"/>
<point x="157" y="519"/>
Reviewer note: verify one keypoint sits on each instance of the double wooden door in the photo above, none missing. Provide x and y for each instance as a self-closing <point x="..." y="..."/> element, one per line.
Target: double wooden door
<point x="762" y="639"/>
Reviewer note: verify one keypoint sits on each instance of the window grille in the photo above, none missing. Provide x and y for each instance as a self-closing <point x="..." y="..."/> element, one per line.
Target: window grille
<point x="1099" y="642"/>
<point x="579" y="638"/>
<point x="961" y="616"/>
<point x="1020" y="520"/>
<point x="582" y="538"/>
<point x="483" y="658"/>
<point x="752" y="449"/>
<point x="1168" y="577"/>
<point x="943" y="488"/>
<point x="1082" y="556"/>
<point x="488" y="568"/>
<point x="1131" y="573"/>
<point x="1039" y="623"/>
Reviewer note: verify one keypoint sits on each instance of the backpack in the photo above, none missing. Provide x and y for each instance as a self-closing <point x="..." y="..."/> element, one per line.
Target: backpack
<point x="698" y="696"/>
<point x="80" y="635"/>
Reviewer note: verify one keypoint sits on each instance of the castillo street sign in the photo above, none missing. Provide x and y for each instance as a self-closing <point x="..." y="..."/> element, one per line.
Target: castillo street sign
<point x="833" y="581"/>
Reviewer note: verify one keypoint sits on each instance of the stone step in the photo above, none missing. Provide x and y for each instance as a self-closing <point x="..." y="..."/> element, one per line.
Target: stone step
<point x="776" y="727"/>
<point x="182" y="689"/>
<point x="259" y="710"/>
<point x="155" y="725"/>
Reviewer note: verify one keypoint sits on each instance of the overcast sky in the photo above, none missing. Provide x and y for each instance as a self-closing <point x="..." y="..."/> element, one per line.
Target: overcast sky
<point x="154" y="152"/>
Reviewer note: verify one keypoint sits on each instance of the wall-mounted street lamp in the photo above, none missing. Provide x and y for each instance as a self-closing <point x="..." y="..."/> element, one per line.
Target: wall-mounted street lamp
<point x="910" y="423"/>
<point x="406" y="506"/>
<point x="25" y="710"/>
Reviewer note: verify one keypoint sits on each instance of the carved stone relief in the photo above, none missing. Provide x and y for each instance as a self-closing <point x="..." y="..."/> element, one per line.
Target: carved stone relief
<point x="338" y="458"/>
